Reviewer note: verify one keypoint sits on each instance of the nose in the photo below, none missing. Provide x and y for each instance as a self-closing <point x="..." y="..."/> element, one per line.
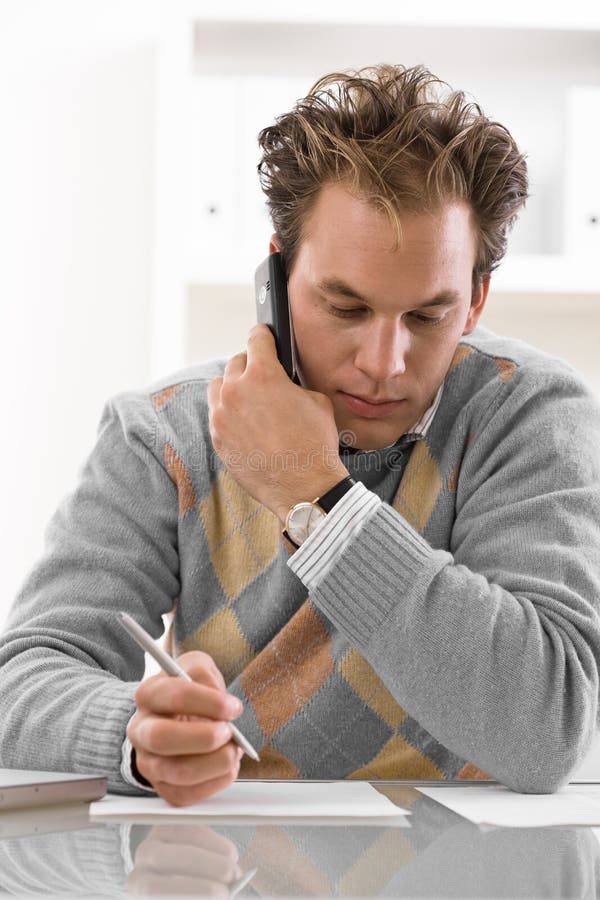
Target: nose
<point x="381" y="354"/>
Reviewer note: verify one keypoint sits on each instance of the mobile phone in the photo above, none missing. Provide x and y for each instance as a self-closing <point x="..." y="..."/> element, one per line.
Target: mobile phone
<point x="273" y="308"/>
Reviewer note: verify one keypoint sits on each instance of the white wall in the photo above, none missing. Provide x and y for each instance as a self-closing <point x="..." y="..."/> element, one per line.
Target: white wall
<point x="77" y="100"/>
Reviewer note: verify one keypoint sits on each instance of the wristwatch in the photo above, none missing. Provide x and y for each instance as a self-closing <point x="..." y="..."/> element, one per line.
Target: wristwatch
<point x="303" y="518"/>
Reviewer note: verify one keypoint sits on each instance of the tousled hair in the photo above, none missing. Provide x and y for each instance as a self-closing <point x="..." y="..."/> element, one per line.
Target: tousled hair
<point x="403" y="139"/>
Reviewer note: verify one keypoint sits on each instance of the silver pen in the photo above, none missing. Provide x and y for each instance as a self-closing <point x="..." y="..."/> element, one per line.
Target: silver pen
<point x="169" y="666"/>
<point x="240" y="884"/>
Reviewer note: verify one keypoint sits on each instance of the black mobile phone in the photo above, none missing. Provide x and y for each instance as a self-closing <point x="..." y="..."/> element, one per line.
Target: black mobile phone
<point x="273" y="308"/>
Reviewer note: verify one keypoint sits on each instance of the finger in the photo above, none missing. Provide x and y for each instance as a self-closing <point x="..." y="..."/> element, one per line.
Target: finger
<point x="185" y="859"/>
<point x="187" y="795"/>
<point x="191" y="771"/>
<point x="201" y="667"/>
<point x="213" y="393"/>
<point x="148" y="883"/>
<point x="235" y="366"/>
<point x="174" y="696"/>
<point x="261" y="345"/>
<point x="193" y="835"/>
<point x="162" y="736"/>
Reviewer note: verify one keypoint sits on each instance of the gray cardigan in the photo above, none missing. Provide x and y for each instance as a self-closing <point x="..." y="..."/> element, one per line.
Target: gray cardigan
<point x="470" y="598"/>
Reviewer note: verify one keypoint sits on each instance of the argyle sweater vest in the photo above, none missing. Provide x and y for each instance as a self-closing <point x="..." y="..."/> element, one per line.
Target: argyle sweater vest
<point x="314" y="707"/>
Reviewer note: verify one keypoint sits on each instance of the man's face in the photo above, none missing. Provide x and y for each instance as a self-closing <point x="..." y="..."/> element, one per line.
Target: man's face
<point x="376" y="329"/>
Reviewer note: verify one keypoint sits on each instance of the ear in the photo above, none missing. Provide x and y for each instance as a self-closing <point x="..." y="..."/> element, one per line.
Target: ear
<point x="478" y="299"/>
<point x="274" y="244"/>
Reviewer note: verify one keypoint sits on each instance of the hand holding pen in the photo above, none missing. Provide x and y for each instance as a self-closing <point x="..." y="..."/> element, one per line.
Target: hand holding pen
<point x="195" y="858"/>
<point x="182" y="730"/>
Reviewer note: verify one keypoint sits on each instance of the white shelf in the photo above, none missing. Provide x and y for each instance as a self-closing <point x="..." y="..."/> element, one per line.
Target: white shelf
<point x="546" y="273"/>
<point x="577" y="14"/>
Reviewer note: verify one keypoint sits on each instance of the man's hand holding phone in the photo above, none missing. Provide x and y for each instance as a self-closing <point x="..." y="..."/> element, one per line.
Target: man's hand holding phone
<point x="277" y="439"/>
<point x="273" y="309"/>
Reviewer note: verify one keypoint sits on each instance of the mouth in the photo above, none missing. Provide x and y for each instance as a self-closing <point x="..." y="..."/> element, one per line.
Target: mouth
<point x="371" y="409"/>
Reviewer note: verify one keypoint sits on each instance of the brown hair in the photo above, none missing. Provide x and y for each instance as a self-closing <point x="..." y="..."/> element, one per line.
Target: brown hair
<point x="404" y="139"/>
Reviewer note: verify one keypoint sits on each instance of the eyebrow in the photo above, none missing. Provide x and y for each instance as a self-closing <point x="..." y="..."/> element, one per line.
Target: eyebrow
<point x="341" y="289"/>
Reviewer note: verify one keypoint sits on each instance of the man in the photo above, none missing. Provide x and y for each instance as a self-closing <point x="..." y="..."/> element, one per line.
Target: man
<point x="437" y="615"/>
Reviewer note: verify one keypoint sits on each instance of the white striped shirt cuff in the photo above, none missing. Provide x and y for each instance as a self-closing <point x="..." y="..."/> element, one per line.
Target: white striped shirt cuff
<point x="126" y="769"/>
<point x="313" y="559"/>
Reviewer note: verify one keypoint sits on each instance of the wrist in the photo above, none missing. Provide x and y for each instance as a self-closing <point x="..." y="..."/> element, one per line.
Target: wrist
<point x="305" y="517"/>
<point x="308" y="490"/>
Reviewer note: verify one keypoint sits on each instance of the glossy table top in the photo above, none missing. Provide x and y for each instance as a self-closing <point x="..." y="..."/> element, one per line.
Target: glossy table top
<point x="61" y="852"/>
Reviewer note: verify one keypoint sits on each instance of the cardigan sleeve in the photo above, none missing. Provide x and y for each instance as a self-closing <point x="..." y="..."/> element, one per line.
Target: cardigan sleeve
<point x="493" y="644"/>
<point x="69" y="669"/>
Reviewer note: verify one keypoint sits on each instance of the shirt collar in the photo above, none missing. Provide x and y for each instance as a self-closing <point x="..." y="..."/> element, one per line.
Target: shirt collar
<point x="417" y="432"/>
<point x="420" y="428"/>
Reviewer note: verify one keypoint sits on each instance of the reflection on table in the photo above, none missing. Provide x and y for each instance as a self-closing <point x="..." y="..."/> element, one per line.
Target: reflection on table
<point x="59" y="851"/>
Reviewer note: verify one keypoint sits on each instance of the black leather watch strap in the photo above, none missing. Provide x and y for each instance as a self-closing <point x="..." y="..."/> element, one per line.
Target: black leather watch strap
<point x="136" y="772"/>
<point x="331" y="497"/>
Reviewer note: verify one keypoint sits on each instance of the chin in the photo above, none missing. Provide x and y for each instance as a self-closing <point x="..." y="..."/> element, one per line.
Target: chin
<point x="374" y="444"/>
<point x="371" y="438"/>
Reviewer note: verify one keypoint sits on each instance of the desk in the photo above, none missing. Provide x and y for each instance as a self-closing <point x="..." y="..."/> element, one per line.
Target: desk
<point x="58" y="851"/>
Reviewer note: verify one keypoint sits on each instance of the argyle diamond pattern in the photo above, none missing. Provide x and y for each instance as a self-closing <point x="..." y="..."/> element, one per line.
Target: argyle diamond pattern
<point x="314" y="707"/>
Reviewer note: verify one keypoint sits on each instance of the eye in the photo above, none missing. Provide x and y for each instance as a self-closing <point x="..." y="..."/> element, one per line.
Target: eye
<point x="346" y="312"/>
<point x="426" y="320"/>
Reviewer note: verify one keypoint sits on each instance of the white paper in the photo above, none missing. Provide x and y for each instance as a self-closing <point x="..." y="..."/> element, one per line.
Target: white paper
<point x="264" y="798"/>
<point x="496" y="805"/>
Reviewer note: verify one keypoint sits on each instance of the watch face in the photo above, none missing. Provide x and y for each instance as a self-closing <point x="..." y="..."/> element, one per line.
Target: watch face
<point x="302" y="521"/>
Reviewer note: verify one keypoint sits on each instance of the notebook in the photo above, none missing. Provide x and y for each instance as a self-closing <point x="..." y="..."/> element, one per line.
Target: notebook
<point x="23" y="788"/>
